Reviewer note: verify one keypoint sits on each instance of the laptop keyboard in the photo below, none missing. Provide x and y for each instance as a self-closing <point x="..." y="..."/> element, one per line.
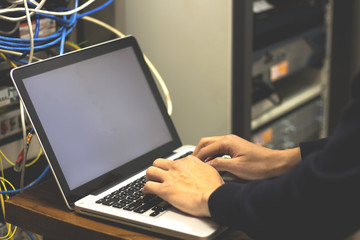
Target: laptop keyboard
<point x="131" y="198"/>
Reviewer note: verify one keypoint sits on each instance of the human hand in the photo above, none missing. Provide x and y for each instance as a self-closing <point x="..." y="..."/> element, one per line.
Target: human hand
<point x="248" y="160"/>
<point x="186" y="183"/>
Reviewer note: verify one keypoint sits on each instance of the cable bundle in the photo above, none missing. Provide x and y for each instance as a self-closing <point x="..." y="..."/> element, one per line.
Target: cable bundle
<point x="32" y="10"/>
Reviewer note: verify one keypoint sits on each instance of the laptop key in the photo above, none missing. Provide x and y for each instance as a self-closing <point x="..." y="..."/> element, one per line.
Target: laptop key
<point x="133" y="206"/>
<point x="119" y="205"/>
<point x="139" y="193"/>
<point x="144" y="208"/>
<point x="126" y="201"/>
<point x="115" y="192"/>
<point x="130" y="198"/>
<point x="159" y="208"/>
<point x="108" y="196"/>
<point x="119" y="197"/>
<point x="148" y="197"/>
<point x="101" y="200"/>
<point x="110" y="202"/>
<point x="136" y="196"/>
<point x="153" y="214"/>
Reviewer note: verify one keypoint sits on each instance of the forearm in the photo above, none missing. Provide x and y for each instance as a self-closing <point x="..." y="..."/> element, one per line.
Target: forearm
<point x="303" y="203"/>
<point x="281" y="161"/>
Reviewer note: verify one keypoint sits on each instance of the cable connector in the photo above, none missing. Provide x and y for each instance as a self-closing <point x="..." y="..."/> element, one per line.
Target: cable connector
<point x="20" y="158"/>
<point x="28" y="138"/>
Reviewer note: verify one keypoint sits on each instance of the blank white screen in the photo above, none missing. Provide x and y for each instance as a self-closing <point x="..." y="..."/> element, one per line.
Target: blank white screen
<point x="98" y="114"/>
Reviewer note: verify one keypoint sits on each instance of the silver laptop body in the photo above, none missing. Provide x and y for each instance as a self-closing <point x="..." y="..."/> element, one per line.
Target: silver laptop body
<point x="101" y="122"/>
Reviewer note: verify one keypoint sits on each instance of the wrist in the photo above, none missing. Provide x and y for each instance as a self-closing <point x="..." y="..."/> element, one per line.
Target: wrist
<point x="205" y="203"/>
<point x="292" y="156"/>
<point x="284" y="160"/>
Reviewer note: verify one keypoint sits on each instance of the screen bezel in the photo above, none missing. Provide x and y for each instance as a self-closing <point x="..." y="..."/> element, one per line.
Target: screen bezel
<point x="121" y="172"/>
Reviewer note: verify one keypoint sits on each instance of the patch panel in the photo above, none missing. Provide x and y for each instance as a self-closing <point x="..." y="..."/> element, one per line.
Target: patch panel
<point x="8" y="96"/>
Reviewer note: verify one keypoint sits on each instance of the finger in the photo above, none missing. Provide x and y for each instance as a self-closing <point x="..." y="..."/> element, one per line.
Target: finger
<point x="155" y="174"/>
<point x="151" y="187"/>
<point x="222" y="164"/>
<point x="203" y="143"/>
<point x="208" y="152"/>
<point x="162" y="163"/>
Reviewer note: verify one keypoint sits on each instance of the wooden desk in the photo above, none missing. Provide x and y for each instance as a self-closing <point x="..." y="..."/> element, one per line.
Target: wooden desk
<point x="41" y="210"/>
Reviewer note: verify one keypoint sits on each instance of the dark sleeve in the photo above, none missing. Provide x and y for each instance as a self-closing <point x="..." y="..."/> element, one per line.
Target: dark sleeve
<point x="318" y="199"/>
<point x="309" y="147"/>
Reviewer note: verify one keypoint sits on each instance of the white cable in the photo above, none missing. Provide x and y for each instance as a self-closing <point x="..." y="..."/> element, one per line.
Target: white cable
<point x="38" y="10"/>
<point x="104" y="25"/>
<point x="22" y="110"/>
<point x="31" y="33"/>
<point x="34" y="2"/>
<point x="148" y="62"/>
<point x="17" y="19"/>
<point x="162" y="84"/>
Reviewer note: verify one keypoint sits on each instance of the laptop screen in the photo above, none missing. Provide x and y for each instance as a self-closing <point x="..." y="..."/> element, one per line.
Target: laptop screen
<point x="103" y="114"/>
<point x="96" y="113"/>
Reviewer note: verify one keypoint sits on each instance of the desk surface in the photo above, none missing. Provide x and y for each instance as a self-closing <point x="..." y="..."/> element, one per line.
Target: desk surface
<point x="41" y="210"/>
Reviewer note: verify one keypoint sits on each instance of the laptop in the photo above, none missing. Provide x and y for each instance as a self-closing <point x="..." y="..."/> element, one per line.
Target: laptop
<point x="101" y="121"/>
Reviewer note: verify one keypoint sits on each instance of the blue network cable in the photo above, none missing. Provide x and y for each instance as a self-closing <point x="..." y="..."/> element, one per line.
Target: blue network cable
<point x="30" y="235"/>
<point x="22" y="45"/>
<point x="30" y="185"/>
<point x="19" y="58"/>
<point x="95" y="10"/>
<point x="66" y="23"/>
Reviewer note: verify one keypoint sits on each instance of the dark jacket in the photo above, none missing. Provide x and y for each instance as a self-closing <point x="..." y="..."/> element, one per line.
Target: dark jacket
<point x="318" y="199"/>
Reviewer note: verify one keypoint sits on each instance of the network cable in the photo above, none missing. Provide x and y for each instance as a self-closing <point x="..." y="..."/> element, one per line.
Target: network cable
<point x="66" y="19"/>
<point x="38" y="10"/>
<point x="37" y="180"/>
<point x="28" y="19"/>
<point x="30" y="235"/>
